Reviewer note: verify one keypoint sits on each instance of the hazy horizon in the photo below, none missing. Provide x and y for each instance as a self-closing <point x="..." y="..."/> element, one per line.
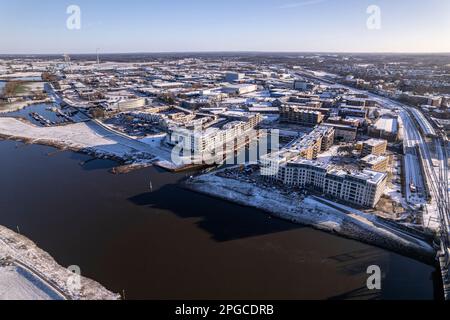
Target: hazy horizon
<point x="226" y="52"/>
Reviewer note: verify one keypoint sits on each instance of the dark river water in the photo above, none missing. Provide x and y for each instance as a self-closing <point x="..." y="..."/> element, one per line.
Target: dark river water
<point x="175" y="244"/>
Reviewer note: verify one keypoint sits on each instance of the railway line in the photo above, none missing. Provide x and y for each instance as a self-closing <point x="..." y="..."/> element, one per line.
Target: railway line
<point x="421" y="133"/>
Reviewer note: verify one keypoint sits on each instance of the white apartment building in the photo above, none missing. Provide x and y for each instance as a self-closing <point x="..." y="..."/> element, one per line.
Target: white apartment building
<point x="294" y="166"/>
<point x="215" y="141"/>
<point x="363" y="188"/>
<point x="240" y="88"/>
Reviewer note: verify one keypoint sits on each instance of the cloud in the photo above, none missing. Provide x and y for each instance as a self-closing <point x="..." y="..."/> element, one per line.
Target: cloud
<point x="300" y="4"/>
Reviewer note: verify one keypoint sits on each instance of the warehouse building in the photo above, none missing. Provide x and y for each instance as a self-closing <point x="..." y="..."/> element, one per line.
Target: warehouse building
<point x="363" y="188"/>
<point x="204" y="144"/>
<point x="238" y="89"/>
<point x="385" y="128"/>
<point x="343" y="133"/>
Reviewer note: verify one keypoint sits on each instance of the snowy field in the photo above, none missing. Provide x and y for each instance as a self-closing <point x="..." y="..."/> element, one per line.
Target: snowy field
<point x="89" y="137"/>
<point x="76" y="136"/>
<point x="17" y="283"/>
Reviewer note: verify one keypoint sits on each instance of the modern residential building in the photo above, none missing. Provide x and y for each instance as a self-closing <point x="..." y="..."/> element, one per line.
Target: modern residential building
<point x="299" y="115"/>
<point x="240" y="88"/>
<point x="353" y="111"/>
<point x="363" y="188"/>
<point x="294" y="166"/>
<point x="373" y="146"/>
<point x="375" y="163"/>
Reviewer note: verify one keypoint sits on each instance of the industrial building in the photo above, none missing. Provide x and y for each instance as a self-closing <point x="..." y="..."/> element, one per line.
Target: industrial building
<point x="304" y="85"/>
<point x="343" y="133"/>
<point x="238" y="89"/>
<point x="204" y="143"/>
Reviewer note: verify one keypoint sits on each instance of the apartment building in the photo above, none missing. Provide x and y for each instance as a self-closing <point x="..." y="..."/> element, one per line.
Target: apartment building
<point x="294" y="166"/>
<point x="373" y="146"/>
<point x="234" y="76"/>
<point x="299" y="115"/>
<point x="310" y="145"/>
<point x="375" y="163"/>
<point x="353" y="111"/>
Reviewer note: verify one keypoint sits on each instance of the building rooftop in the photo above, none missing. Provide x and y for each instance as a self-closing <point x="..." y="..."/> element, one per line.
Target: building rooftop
<point x="387" y="125"/>
<point x="374" y="142"/>
<point x="373" y="159"/>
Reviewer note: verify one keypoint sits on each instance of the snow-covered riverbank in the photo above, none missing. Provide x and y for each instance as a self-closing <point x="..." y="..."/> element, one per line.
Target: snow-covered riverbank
<point x="94" y="138"/>
<point x="311" y="212"/>
<point x="28" y="273"/>
<point x="85" y="137"/>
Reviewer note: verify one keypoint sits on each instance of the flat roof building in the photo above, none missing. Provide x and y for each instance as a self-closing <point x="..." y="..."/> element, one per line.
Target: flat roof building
<point x="343" y="133"/>
<point x="299" y="115"/>
<point x="373" y="146"/>
<point x="234" y="76"/>
<point x="375" y="163"/>
<point x="385" y="128"/>
<point x="240" y="88"/>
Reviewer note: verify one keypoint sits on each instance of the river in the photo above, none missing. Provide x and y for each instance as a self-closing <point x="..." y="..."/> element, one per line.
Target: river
<point x="170" y="243"/>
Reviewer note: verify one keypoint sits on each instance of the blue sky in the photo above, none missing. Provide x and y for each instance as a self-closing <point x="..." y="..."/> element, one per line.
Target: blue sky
<point x="39" y="26"/>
